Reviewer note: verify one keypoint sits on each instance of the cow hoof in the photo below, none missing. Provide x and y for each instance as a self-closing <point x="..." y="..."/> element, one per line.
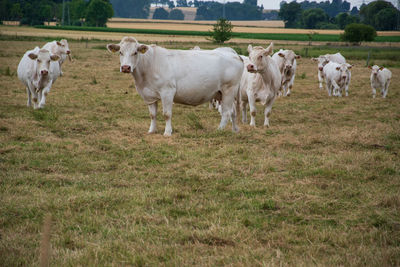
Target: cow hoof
<point x="166" y="134"/>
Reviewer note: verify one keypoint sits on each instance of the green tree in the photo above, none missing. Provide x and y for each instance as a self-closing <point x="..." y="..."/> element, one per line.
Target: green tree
<point x="357" y="33"/>
<point x="16" y="11"/>
<point x="5" y="7"/>
<point x="290" y="13"/>
<point x="78" y="11"/>
<point x="311" y="17"/>
<point x="176" y="14"/>
<point x="222" y="31"/>
<point x="98" y="12"/>
<point x="160" y="13"/>
<point x="386" y="19"/>
<point x="343" y="19"/>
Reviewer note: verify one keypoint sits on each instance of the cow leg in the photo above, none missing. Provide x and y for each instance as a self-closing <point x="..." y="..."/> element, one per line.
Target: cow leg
<point x="328" y="87"/>
<point x="227" y="109"/>
<point x="153" y="116"/>
<point x="386" y="89"/>
<point x="373" y="91"/>
<point x="291" y="84"/>
<point x="336" y="89"/>
<point x="167" y="100"/>
<point x="320" y="79"/>
<point x="43" y="95"/>
<point x="243" y="106"/>
<point x="29" y="102"/>
<point x="34" y="96"/>
<point x="267" y="111"/>
<point x="253" y="109"/>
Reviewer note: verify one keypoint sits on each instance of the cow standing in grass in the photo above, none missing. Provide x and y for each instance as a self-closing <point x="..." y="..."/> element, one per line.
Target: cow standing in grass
<point x="35" y="73"/>
<point x="287" y="63"/>
<point x="325" y="59"/>
<point x="337" y="78"/>
<point x="260" y="82"/>
<point x="380" y="79"/>
<point x="189" y="77"/>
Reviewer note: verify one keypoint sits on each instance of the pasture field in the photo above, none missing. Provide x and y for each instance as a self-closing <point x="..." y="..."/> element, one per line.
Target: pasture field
<point x="319" y="187"/>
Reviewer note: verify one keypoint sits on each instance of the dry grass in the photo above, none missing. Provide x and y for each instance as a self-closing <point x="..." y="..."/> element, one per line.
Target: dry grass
<point x="320" y="187"/>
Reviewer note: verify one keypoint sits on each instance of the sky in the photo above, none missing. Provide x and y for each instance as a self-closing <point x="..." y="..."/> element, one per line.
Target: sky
<point x="274" y="4"/>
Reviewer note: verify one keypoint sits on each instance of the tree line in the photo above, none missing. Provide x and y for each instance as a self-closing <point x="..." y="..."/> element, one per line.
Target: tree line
<point x="74" y="12"/>
<point x="379" y="14"/>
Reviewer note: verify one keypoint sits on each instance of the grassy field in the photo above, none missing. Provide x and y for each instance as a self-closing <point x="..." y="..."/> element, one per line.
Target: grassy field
<point x="319" y="187"/>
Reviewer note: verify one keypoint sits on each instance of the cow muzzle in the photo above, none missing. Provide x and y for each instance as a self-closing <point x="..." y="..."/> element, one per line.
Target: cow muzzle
<point x="44" y="72"/>
<point x="126" y="69"/>
<point x="251" y="68"/>
<point x="321" y="68"/>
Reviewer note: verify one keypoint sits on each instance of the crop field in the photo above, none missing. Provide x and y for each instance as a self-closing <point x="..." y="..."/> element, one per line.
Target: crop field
<point x="321" y="186"/>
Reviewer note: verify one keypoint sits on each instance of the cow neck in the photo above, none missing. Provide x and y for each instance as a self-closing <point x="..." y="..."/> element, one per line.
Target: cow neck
<point x="141" y="71"/>
<point x="267" y="74"/>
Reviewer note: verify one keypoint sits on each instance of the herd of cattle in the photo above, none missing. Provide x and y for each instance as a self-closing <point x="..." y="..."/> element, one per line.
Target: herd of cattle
<point x="197" y="76"/>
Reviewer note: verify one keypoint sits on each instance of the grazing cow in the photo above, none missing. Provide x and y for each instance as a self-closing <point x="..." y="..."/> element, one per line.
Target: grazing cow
<point x="337" y="77"/>
<point x="189" y="77"/>
<point x="287" y="63"/>
<point x="33" y="71"/>
<point x="380" y="78"/>
<point x="323" y="60"/>
<point x="260" y="82"/>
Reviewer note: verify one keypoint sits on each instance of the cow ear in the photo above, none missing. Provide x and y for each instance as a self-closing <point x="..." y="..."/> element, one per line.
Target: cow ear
<point x="337" y="68"/>
<point x="314" y="59"/>
<point x="32" y="56"/>
<point x="113" y="48"/>
<point x="281" y="55"/>
<point x="297" y="56"/>
<point x="370" y="67"/>
<point x="381" y="68"/>
<point x="349" y="66"/>
<point x="54" y="57"/>
<point x="143" y="48"/>
<point x="249" y="48"/>
<point x="269" y="50"/>
<point x="58" y="43"/>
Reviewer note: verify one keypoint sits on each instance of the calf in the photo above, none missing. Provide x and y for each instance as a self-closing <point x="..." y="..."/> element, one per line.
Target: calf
<point x="325" y="59"/>
<point x="260" y="82"/>
<point x="380" y="78"/>
<point x="287" y="63"/>
<point x="189" y="77"/>
<point x="337" y="78"/>
<point x="35" y="73"/>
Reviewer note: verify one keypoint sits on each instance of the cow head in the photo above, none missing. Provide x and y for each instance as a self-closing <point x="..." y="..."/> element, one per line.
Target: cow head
<point x="63" y="48"/>
<point x="43" y="59"/>
<point x="322" y="61"/>
<point x="130" y="52"/>
<point x="344" y="70"/>
<point x="375" y="69"/>
<point x="257" y="56"/>
<point x="289" y="58"/>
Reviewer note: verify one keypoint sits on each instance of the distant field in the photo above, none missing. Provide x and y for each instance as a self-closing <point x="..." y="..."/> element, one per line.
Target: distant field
<point x="320" y="187"/>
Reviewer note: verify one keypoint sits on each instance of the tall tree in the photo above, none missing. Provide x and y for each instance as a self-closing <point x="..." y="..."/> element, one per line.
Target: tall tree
<point x="160" y="13"/>
<point x="311" y="17"/>
<point x="290" y="13"/>
<point x="369" y="15"/>
<point x="98" y="12"/>
<point x="176" y="14"/>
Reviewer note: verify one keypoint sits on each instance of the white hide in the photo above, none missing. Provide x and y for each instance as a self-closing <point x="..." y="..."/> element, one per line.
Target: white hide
<point x="287" y="64"/>
<point x="325" y="59"/>
<point x="260" y="82"/>
<point x="380" y="79"/>
<point x="35" y="72"/>
<point x="337" y="77"/>
<point x="189" y="77"/>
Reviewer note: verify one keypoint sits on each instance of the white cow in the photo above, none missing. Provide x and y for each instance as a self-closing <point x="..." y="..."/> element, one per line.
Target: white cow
<point x="260" y="82"/>
<point x="190" y="77"/>
<point x="35" y="73"/>
<point x="380" y="79"/>
<point x="323" y="60"/>
<point x="337" y="77"/>
<point x="60" y="48"/>
<point x="287" y="63"/>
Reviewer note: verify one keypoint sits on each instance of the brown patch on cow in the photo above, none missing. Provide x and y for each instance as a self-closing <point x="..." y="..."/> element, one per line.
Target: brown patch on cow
<point x="35" y="99"/>
<point x="167" y="117"/>
<point x="129" y="39"/>
<point x="152" y="116"/>
<point x="253" y="113"/>
<point x="218" y="96"/>
<point x="45" y="93"/>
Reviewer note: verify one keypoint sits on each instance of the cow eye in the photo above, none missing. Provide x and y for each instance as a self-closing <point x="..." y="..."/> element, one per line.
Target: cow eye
<point x="39" y="60"/>
<point x="121" y="53"/>
<point x="135" y="53"/>
<point x="260" y="57"/>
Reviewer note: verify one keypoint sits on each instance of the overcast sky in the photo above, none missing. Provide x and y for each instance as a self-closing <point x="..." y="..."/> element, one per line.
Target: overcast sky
<point x="274" y="4"/>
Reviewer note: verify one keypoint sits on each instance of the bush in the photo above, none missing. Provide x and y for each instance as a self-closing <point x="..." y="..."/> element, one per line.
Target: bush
<point x="357" y="33"/>
<point x="176" y="14"/>
<point x="222" y="31"/>
<point x="160" y="13"/>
